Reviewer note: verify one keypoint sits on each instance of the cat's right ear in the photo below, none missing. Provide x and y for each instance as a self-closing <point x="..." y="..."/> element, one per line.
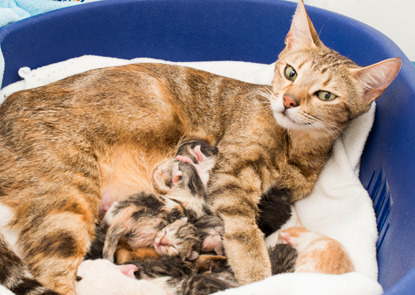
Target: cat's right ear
<point x="302" y="33"/>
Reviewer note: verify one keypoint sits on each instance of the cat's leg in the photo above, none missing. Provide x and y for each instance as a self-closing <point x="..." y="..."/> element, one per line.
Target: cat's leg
<point x="54" y="246"/>
<point x="234" y="199"/>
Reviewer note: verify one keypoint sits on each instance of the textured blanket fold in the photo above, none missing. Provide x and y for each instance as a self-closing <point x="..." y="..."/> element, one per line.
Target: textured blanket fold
<point x="338" y="206"/>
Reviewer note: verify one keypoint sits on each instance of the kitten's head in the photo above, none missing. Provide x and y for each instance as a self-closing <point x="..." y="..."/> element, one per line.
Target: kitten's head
<point x="176" y="176"/>
<point x="291" y="235"/>
<point x="317" y="89"/>
<point x="179" y="238"/>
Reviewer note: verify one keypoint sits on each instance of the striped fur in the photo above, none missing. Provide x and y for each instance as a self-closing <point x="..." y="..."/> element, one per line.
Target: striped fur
<point x="65" y="145"/>
<point x="16" y="276"/>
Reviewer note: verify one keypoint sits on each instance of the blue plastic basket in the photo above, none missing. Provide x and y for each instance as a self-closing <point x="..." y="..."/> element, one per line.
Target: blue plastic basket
<point x="248" y="30"/>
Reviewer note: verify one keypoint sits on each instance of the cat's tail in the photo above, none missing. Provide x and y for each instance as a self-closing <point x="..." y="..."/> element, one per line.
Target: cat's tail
<point x="15" y="275"/>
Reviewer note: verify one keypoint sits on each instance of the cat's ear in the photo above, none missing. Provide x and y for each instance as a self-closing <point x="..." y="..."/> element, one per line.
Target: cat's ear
<point x="302" y="32"/>
<point x="377" y="77"/>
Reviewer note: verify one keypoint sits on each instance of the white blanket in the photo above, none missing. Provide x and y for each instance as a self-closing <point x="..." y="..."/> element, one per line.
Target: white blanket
<point x="338" y="206"/>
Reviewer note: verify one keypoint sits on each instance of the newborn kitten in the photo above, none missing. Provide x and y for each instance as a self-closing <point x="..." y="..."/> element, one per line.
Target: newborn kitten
<point x="283" y="258"/>
<point x="180" y="277"/>
<point x="198" y="284"/>
<point x="199" y="153"/>
<point x="317" y="252"/>
<point x="274" y="210"/>
<point x="141" y="216"/>
<point x="210" y="230"/>
<point x="179" y="238"/>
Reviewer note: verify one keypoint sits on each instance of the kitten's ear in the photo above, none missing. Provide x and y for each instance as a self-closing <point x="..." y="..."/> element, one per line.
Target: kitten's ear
<point x="199" y="155"/>
<point x="286" y="237"/>
<point x="177" y="177"/>
<point x="184" y="218"/>
<point x="193" y="256"/>
<point x="302" y="32"/>
<point x="377" y="77"/>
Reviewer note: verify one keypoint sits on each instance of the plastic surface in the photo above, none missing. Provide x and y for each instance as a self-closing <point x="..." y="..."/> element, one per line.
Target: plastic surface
<point x="247" y="30"/>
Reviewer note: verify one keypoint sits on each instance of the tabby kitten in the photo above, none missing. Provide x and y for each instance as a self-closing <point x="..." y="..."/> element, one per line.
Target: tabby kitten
<point x="65" y="145"/>
<point x="180" y="277"/>
<point x="317" y="252"/>
<point x="179" y="238"/>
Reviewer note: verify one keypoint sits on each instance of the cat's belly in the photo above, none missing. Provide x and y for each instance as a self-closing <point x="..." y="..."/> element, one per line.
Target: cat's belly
<point x="128" y="170"/>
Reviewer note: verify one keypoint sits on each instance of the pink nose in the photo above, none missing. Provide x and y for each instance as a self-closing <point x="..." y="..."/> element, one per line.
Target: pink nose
<point x="289" y="102"/>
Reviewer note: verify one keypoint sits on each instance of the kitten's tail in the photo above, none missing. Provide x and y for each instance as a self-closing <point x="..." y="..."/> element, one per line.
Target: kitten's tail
<point x="15" y="275"/>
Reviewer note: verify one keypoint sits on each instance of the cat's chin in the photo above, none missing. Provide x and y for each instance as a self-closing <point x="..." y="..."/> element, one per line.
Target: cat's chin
<point x="286" y="122"/>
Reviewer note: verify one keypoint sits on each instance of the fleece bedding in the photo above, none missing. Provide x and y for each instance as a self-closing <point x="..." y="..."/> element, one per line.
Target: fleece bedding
<point x="338" y="206"/>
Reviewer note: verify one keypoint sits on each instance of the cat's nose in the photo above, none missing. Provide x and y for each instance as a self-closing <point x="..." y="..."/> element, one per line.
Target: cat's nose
<point x="289" y="102"/>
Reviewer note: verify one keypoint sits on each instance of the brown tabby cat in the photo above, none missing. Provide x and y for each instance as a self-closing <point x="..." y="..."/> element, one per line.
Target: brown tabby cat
<point x="64" y="145"/>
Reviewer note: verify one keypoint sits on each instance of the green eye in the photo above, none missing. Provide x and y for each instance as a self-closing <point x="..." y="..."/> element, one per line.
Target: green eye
<point x="290" y="73"/>
<point x="325" y="95"/>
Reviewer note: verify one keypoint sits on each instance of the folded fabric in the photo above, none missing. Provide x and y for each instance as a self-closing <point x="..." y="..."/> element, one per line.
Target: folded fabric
<point x="338" y="206"/>
<point x="353" y="283"/>
<point x="14" y="10"/>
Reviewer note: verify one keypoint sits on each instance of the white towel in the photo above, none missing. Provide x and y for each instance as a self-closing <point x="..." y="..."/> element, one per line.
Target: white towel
<point x="338" y="206"/>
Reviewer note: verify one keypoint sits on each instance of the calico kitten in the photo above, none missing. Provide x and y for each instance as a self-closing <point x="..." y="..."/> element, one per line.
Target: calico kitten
<point x="65" y="145"/>
<point x="317" y="252"/>
<point x="15" y="275"/>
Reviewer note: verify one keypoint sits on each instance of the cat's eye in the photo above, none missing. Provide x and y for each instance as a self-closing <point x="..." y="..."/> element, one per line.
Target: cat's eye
<point x="290" y="73"/>
<point x="325" y="95"/>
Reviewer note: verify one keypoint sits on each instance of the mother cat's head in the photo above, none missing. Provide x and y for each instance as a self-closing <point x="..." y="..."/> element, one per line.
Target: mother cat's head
<point x="317" y="89"/>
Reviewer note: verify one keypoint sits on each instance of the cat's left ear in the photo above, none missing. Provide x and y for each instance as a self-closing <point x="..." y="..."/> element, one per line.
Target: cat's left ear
<point x="377" y="77"/>
<point x="302" y="32"/>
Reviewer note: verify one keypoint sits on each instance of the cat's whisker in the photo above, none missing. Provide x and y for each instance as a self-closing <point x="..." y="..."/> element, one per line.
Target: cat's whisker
<point x="330" y="129"/>
<point x="266" y="93"/>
